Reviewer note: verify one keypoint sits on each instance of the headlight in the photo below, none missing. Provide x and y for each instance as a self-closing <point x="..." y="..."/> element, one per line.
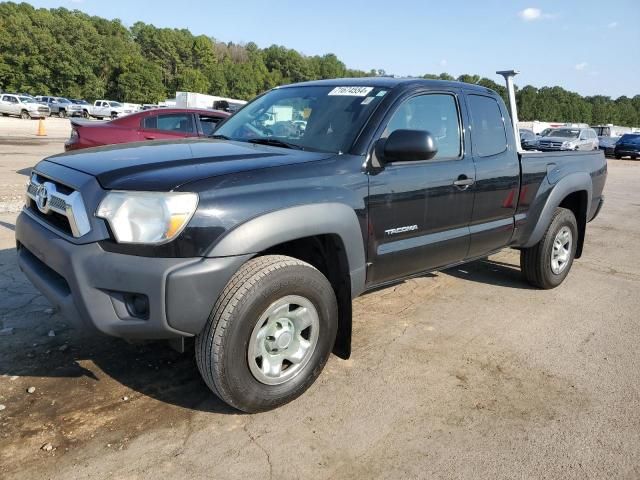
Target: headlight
<point x="147" y="217"/>
<point x="567" y="145"/>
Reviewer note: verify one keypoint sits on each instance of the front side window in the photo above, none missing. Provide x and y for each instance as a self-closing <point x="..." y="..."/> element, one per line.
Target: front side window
<point x="178" y="123"/>
<point x="488" y="133"/>
<point x="316" y="118"/>
<point x="208" y="124"/>
<point x="433" y="113"/>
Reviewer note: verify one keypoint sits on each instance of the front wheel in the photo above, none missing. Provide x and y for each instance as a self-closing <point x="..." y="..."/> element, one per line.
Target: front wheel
<point x="547" y="264"/>
<point x="25" y="115"/>
<point x="269" y="335"/>
<point x="85" y="114"/>
<point x="62" y="114"/>
<point x="114" y="115"/>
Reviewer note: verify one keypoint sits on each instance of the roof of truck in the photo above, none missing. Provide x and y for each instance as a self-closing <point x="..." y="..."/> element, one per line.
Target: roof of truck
<point x="389" y="82"/>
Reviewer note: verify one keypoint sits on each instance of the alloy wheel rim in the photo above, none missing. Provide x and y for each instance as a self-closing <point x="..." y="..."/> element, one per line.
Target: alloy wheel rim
<point x="283" y="340"/>
<point x="561" y="250"/>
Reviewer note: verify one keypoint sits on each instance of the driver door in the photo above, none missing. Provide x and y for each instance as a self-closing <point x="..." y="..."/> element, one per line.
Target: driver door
<point x="419" y="211"/>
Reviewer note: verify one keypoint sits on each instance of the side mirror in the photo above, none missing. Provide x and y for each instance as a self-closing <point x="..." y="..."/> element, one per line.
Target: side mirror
<point x="408" y="145"/>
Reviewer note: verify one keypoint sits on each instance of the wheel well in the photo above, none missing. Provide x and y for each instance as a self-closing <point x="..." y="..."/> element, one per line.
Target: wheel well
<point x="577" y="203"/>
<point x="327" y="254"/>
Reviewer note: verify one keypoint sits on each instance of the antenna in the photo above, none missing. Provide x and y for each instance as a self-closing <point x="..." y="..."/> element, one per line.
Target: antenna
<point x="513" y="108"/>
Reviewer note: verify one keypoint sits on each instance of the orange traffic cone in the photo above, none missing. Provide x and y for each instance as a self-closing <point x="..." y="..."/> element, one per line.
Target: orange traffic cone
<point x="42" y="131"/>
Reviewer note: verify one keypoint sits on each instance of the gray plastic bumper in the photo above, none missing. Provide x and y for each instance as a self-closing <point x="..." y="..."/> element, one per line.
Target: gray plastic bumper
<point x="88" y="285"/>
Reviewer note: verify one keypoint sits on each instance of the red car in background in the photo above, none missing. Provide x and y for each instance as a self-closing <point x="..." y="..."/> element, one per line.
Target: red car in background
<point x="156" y="124"/>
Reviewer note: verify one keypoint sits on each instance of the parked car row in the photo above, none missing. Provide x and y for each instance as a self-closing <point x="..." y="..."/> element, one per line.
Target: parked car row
<point x="27" y="106"/>
<point x="558" y="139"/>
<point x="553" y="139"/>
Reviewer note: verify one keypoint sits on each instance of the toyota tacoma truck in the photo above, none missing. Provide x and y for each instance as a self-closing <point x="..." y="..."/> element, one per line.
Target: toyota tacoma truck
<point x="255" y="241"/>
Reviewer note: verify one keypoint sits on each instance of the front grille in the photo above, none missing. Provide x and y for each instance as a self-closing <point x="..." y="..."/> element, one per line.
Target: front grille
<point x="551" y="145"/>
<point x="58" y="205"/>
<point x="55" y="219"/>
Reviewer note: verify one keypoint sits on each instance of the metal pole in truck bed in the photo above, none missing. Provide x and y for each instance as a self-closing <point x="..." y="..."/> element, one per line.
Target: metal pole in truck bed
<point x="513" y="108"/>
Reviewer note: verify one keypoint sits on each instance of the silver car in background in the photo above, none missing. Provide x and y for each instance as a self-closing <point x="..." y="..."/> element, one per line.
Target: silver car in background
<point x="568" y="138"/>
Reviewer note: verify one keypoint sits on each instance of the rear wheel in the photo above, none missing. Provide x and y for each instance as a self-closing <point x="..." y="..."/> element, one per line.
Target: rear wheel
<point x="25" y="115"/>
<point x="547" y="264"/>
<point x="269" y="335"/>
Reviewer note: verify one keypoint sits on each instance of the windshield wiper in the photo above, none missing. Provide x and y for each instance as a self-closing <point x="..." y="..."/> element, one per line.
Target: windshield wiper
<point x="275" y="142"/>
<point x="219" y="137"/>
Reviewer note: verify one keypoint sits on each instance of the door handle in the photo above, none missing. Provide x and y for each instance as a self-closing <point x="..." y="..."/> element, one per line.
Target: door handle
<point x="463" y="182"/>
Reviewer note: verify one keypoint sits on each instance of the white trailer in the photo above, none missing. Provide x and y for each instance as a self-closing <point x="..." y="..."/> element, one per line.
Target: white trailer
<point x="201" y="100"/>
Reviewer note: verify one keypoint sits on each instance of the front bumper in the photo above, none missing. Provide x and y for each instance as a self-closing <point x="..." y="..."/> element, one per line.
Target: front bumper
<point x="37" y="114"/>
<point x="626" y="152"/>
<point x="90" y="286"/>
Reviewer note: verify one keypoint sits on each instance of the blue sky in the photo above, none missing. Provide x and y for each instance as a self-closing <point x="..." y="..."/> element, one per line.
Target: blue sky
<point x="584" y="46"/>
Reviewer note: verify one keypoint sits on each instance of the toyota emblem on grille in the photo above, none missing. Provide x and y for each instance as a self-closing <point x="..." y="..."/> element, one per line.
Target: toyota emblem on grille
<point x="42" y="198"/>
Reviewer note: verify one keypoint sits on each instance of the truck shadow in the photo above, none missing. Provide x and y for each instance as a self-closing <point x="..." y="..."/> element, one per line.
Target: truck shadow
<point x="151" y="369"/>
<point x="490" y="272"/>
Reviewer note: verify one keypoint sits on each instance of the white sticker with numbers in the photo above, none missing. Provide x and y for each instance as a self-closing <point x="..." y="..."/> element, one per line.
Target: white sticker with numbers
<point x="351" y="91"/>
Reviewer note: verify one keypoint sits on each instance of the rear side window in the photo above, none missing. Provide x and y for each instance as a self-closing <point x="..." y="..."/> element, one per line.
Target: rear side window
<point x="208" y="124"/>
<point x="487" y="126"/>
<point x="434" y="113"/>
<point x="176" y="122"/>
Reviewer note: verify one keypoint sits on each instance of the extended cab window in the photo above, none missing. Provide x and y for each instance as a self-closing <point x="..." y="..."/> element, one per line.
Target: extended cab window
<point x="177" y="122"/>
<point x="434" y="113"/>
<point x="487" y="126"/>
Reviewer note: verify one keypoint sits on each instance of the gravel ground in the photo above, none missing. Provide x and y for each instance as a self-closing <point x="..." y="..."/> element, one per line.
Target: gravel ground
<point x="467" y="373"/>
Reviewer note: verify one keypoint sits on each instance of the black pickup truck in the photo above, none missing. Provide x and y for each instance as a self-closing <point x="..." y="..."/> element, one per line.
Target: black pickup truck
<point x="256" y="241"/>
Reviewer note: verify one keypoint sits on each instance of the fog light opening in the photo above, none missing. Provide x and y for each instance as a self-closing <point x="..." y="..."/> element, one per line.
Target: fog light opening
<point x="137" y="305"/>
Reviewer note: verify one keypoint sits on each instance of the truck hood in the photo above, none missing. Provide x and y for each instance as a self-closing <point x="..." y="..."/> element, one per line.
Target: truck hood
<point x="166" y="165"/>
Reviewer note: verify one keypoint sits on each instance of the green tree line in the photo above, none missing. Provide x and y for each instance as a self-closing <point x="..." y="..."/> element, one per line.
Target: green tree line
<point x="69" y="53"/>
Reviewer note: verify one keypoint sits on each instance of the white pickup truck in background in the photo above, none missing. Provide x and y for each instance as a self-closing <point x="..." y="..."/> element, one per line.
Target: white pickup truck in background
<point x="22" y="106"/>
<point x="105" y="108"/>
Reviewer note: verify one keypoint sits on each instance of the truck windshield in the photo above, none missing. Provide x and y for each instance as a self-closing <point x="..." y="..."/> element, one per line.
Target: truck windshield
<point x="564" y="132"/>
<point x="115" y="104"/>
<point x="316" y="118"/>
<point x="27" y="100"/>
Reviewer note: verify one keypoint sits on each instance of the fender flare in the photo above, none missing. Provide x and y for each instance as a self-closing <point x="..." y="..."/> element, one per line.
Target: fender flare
<point x="273" y="228"/>
<point x="572" y="183"/>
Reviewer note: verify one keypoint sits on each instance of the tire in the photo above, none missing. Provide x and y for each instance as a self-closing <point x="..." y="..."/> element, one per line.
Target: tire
<point x="114" y="115"/>
<point x="25" y="115"/>
<point x="537" y="263"/>
<point x="62" y="114"/>
<point x="240" y="317"/>
<point x="618" y="157"/>
<point x="85" y="114"/>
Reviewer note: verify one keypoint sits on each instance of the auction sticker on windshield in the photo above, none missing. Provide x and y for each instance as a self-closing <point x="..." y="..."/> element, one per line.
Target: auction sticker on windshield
<point x="351" y="91"/>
